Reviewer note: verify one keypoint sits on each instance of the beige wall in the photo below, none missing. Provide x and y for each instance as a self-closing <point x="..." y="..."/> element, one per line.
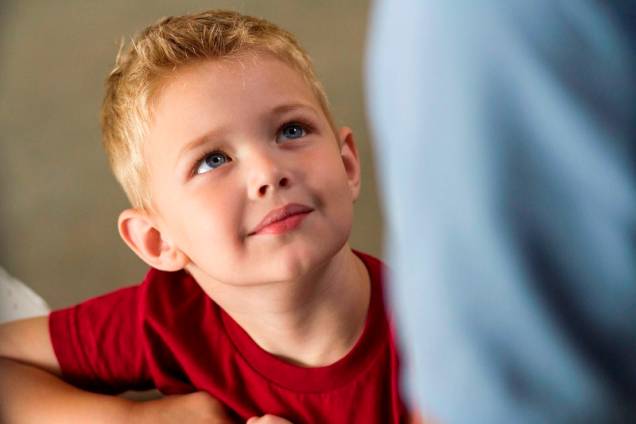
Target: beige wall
<point x="58" y="201"/>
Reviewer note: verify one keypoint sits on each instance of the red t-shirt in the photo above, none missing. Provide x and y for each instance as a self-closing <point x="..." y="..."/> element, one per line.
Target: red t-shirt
<point x="167" y="333"/>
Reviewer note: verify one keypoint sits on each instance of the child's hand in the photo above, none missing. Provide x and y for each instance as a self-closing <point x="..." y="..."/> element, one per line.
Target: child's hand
<point x="267" y="419"/>
<point x="193" y="408"/>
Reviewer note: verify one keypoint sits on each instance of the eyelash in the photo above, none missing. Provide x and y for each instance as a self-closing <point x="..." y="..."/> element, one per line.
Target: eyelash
<point x="201" y="159"/>
<point x="307" y="128"/>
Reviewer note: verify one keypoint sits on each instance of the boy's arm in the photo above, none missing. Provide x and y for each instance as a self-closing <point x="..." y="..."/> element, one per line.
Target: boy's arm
<point x="28" y="341"/>
<point x="31" y="395"/>
<point x="31" y="389"/>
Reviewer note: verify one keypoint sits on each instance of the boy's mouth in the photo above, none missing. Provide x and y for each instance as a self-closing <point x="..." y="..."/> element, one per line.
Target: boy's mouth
<point x="282" y="219"/>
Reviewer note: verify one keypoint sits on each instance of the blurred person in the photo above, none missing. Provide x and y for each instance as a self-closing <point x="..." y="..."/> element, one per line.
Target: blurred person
<point x="505" y="142"/>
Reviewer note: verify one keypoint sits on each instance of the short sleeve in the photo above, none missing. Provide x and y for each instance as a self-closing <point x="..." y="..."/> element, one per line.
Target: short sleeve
<point x="99" y="343"/>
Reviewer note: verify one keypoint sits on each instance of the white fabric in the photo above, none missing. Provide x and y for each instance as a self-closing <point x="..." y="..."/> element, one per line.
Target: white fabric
<point x="18" y="301"/>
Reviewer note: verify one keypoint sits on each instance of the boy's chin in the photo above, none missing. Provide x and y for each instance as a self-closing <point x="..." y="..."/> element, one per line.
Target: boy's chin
<point x="284" y="266"/>
<point x="300" y="264"/>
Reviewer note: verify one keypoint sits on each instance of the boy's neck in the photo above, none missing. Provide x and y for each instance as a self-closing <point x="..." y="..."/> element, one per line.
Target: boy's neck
<point x="311" y="323"/>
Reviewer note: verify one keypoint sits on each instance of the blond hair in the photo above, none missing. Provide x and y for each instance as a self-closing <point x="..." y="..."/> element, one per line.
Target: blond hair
<point x="161" y="49"/>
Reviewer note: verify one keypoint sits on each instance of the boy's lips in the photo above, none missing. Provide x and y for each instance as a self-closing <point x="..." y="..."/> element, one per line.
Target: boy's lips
<point x="282" y="219"/>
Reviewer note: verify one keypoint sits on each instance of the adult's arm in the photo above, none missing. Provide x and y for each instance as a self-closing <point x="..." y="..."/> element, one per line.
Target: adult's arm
<point x="506" y="146"/>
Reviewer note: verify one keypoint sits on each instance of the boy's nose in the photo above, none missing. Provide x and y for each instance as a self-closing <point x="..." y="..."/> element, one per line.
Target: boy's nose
<point x="266" y="177"/>
<point x="265" y="188"/>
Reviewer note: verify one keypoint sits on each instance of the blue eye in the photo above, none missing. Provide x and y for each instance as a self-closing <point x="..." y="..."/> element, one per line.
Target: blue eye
<point x="293" y="131"/>
<point x="211" y="161"/>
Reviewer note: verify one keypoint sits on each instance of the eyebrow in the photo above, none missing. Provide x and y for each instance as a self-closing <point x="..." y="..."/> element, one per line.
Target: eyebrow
<point x="196" y="142"/>
<point x="291" y="107"/>
<point x="277" y="110"/>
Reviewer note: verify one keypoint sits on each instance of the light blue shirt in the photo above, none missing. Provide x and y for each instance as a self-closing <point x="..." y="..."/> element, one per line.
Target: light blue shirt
<point x="505" y="141"/>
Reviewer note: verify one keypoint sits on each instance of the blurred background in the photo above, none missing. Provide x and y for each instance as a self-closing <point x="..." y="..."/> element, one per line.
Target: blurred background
<point x="58" y="200"/>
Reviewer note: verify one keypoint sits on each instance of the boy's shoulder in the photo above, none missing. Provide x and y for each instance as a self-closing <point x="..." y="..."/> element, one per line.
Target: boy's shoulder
<point x="172" y="296"/>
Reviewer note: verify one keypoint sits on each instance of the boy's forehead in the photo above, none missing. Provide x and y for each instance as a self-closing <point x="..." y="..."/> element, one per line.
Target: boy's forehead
<point x="239" y="74"/>
<point x="247" y="80"/>
<point x="214" y="95"/>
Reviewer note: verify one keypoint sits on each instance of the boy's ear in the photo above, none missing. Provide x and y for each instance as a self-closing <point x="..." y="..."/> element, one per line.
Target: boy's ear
<point x="141" y="233"/>
<point x="349" y="154"/>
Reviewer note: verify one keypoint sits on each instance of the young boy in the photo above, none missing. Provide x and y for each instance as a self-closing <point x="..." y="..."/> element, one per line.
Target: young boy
<point x="242" y="192"/>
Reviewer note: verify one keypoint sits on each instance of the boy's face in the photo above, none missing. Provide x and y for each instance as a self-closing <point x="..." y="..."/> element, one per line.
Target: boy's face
<point x="233" y="142"/>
